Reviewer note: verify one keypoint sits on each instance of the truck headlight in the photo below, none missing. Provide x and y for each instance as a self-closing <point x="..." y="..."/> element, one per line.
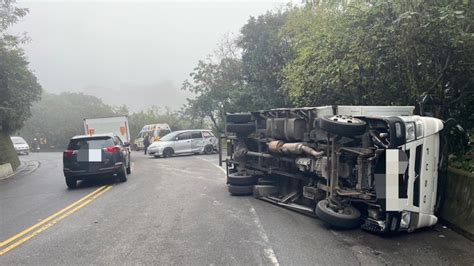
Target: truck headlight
<point x="410" y="131"/>
<point x="405" y="221"/>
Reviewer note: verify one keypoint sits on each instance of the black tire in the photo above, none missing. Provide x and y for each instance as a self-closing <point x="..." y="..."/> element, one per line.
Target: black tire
<point x="168" y="152"/>
<point x="349" y="219"/>
<point x="208" y="149"/>
<point x="241" y="128"/>
<point x="156" y="156"/>
<point x="239" y="118"/>
<point x="241" y="179"/>
<point x="240" y="190"/>
<point x="123" y="175"/>
<point x="343" y="125"/>
<point x="71" y="182"/>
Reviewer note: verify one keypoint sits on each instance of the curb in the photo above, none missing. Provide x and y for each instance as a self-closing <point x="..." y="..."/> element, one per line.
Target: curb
<point x="28" y="167"/>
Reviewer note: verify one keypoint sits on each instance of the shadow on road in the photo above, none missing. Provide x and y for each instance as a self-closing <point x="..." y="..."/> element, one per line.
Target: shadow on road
<point x="183" y="155"/>
<point x="96" y="182"/>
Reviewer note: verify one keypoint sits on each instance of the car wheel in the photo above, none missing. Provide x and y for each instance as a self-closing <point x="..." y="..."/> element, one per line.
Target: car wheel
<point x="241" y="128"/>
<point x="343" y="125"/>
<point x="168" y="152"/>
<point x="239" y="118"/>
<point x="240" y="190"/>
<point x="71" y="182"/>
<point x="123" y="175"/>
<point x="347" y="218"/>
<point x="208" y="149"/>
<point x="241" y="179"/>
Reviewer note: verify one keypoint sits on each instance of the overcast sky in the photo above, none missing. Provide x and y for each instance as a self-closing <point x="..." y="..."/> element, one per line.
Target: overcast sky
<point x="141" y="51"/>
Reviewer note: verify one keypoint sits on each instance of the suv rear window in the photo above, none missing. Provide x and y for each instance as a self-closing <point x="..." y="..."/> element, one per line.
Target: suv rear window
<point x="90" y="143"/>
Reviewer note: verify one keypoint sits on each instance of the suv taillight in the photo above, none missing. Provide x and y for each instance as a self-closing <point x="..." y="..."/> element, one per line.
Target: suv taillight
<point x="69" y="153"/>
<point x="112" y="149"/>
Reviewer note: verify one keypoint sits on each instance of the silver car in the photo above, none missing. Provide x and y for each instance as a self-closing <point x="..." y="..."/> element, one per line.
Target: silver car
<point x="184" y="141"/>
<point x="20" y="145"/>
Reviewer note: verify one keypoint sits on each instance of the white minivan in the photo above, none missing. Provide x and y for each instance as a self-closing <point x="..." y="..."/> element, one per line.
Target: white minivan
<point x="184" y="141"/>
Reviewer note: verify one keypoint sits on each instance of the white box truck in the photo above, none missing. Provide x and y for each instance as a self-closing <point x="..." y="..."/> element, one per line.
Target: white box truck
<point x="378" y="167"/>
<point x="117" y="125"/>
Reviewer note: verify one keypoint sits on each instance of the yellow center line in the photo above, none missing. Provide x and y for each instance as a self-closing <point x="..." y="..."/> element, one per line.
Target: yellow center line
<point x="51" y="220"/>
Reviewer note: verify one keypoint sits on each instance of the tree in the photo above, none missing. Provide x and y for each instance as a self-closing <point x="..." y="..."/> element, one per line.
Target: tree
<point x="218" y="85"/>
<point x="19" y="87"/>
<point x="383" y="52"/>
<point x="58" y="117"/>
<point x="264" y="54"/>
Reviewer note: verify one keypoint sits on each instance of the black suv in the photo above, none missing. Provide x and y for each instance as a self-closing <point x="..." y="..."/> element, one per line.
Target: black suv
<point x="93" y="156"/>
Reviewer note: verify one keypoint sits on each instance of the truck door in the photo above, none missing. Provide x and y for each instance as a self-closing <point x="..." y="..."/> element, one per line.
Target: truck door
<point x="183" y="143"/>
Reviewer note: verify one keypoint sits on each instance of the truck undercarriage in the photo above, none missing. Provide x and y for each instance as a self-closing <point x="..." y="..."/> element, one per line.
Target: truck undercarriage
<point x="369" y="166"/>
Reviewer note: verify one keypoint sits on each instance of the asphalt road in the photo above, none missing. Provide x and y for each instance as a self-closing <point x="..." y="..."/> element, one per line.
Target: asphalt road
<point x="177" y="211"/>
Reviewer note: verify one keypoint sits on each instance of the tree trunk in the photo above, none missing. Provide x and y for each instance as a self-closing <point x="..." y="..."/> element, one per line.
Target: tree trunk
<point x="7" y="152"/>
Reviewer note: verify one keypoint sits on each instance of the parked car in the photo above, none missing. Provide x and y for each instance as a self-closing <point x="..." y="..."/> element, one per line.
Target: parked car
<point x="20" y="145"/>
<point x="96" y="156"/>
<point x="184" y="141"/>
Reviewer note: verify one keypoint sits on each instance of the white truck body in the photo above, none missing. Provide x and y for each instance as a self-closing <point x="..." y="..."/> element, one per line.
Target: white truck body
<point x="117" y="125"/>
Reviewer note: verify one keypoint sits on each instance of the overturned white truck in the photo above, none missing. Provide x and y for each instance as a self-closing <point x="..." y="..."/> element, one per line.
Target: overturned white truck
<point x="377" y="167"/>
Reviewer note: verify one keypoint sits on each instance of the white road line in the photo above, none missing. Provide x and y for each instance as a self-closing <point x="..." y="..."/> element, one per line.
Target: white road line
<point x="220" y="168"/>
<point x="268" y="252"/>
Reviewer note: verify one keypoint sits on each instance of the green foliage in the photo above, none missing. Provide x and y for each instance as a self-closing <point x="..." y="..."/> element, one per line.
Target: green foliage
<point x="264" y="54"/>
<point x="58" y="117"/>
<point x="383" y="53"/>
<point x="18" y="85"/>
<point x="243" y="74"/>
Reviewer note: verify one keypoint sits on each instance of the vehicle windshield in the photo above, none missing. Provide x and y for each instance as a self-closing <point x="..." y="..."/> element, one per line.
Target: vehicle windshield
<point x="170" y="136"/>
<point x="18" y="140"/>
<point x="90" y="143"/>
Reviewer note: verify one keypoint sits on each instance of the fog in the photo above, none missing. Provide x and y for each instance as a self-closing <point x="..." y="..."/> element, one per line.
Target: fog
<point x="133" y="53"/>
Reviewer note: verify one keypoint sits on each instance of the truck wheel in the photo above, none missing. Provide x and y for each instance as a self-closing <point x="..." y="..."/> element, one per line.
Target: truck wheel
<point x="240" y="190"/>
<point x="348" y="218"/>
<point x="168" y="152"/>
<point x="343" y="125"/>
<point x="208" y="149"/>
<point x="241" y="179"/>
<point x="71" y="182"/>
<point x="241" y="128"/>
<point x="238" y="118"/>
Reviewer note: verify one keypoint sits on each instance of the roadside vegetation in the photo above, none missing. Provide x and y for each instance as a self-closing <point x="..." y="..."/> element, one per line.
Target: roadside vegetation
<point x="361" y="52"/>
<point x="58" y="117"/>
<point x="374" y="52"/>
<point x="18" y="84"/>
